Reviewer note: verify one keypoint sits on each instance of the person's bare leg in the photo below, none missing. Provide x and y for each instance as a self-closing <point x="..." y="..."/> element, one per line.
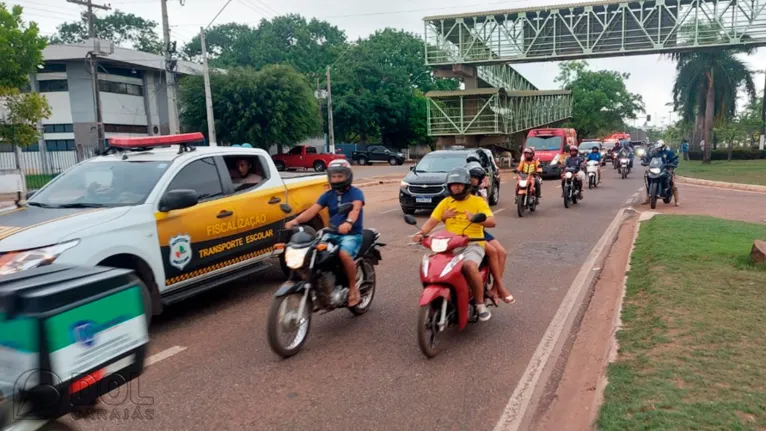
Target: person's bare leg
<point x="494" y="268"/>
<point x="350" y="269"/>
<point x="502" y="255"/>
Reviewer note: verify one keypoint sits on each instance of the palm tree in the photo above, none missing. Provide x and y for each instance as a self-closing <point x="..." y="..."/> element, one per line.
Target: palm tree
<point x="706" y="86"/>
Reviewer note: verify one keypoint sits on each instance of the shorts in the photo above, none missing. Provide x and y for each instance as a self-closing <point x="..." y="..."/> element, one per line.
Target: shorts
<point x="488" y="236"/>
<point x="349" y="243"/>
<point x="472" y="253"/>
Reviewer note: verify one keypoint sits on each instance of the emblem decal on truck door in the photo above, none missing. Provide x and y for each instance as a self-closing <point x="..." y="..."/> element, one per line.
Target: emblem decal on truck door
<point x="180" y="251"/>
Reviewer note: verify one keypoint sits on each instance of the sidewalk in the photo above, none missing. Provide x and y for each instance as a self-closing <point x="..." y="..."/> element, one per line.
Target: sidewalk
<point x="574" y="400"/>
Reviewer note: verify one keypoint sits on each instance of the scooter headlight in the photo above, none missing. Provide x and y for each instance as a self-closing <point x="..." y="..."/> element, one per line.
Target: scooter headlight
<point x="295" y="257"/>
<point x="568" y="175"/>
<point x="654" y="170"/>
<point x="624" y="160"/>
<point x="439" y="245"/>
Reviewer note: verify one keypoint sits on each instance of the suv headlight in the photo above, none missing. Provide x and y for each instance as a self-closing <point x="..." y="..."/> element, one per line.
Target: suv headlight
<point x="17" y="261"/>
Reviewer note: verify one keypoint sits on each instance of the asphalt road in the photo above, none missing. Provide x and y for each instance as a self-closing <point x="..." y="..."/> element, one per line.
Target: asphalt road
<point x="380" y="169"/>
<point x="367" y="373"/>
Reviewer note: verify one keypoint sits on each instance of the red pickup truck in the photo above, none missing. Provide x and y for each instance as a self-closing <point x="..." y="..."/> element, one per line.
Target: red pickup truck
<point x="304" y="156"/>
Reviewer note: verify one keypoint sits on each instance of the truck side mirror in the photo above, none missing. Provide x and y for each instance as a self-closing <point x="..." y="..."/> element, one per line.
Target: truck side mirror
<point x="178" y="199"/>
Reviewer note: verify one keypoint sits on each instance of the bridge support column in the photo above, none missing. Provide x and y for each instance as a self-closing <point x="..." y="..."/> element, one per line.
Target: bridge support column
<point x="464" y="72"/>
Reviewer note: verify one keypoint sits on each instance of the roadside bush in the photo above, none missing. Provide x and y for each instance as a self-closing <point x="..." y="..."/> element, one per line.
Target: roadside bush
<point x="741" y="154"/>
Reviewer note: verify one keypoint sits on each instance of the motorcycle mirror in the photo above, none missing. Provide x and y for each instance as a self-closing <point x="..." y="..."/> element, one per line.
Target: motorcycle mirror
<point x="286" y="208"/>
<point x="479" y="218"/>
<point x="410" y="220"/>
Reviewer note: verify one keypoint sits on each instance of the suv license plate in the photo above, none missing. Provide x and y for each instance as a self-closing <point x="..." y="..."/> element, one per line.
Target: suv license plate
<point x="423" y="200"/>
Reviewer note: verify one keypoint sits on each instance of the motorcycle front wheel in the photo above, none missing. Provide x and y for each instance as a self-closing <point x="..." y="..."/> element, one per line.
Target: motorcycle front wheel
<point x="591" y="181"/>
<point x="283" y="317"/>
<point x="566" y="196"/>
<point x="624" y="174"/>
<point x="653" y="195"/>
<point x="520" y="205"/>
<point x="428" y="328"/>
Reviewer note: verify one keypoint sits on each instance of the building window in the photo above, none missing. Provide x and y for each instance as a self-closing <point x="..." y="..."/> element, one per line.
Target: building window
<point x="125" y="128"/>
<point x="53" y="85"/>
<point x="120" y="88"/>
<point x="52" y="68"/>
<point x="119" y="71"/>
<point x="60" y="145"/>
<point x="58" y="128"/>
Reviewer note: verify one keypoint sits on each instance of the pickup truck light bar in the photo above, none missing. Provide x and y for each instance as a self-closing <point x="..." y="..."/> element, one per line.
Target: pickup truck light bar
<point x="184" y="140"/>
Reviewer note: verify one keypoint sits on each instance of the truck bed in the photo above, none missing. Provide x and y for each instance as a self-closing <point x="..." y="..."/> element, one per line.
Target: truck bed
<point x="287" y="175"/>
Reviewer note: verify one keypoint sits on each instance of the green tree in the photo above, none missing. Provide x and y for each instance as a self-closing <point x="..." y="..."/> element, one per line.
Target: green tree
<point x="21" y="49"/>
<point x="707" y="83"/>
<point x="601" y="102"/>
<point x="224" y="45"/>
<point x="124" y="29"/>
<point x="272" y="106"/>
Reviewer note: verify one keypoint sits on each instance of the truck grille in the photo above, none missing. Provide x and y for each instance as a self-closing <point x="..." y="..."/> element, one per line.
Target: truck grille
<point x="426" y="190"/>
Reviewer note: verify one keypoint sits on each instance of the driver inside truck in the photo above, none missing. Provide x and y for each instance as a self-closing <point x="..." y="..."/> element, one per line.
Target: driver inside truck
<point x="246" y="173"/>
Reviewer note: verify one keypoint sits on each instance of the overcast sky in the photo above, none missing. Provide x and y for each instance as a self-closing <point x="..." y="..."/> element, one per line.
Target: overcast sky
<point x="651" y="76"/>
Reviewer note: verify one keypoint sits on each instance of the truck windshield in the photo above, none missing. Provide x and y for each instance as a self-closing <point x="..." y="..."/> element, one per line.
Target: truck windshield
<point x="102" y="184"/>
<point x="443" y="162"/>
<point x="544" y="143"/>
<point x="586" y="146"/>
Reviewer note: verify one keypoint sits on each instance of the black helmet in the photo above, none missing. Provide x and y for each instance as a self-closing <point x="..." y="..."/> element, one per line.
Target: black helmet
<point x="475" y="170"/>
<point x="473" y="158"/>
<point x="459" y="176"/>
<point x="593" y="148"/>
<point x="340" y="166"/>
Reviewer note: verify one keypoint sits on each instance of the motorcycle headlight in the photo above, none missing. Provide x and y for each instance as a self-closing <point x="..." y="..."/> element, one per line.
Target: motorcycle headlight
<point x="568" y="175"/>
<point x="439" y="245"/>
<point x="522" y="183"/>
<point x="654" y="170"/>
<point x="624" y="160"/>
<point x="295" y="257"/>
<point x="17" y="261"/>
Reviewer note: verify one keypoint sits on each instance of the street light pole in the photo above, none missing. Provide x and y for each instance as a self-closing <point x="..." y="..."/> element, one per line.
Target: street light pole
<point x="763" y="115"/>
<point x="208" y="93"/>
<point x="330" y="131"/>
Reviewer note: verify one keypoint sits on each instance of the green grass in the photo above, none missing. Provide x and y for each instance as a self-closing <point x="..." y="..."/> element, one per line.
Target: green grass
<point x="37" y="181"/>
<point x="693" y="344"/>
<point x="736" y="171"/>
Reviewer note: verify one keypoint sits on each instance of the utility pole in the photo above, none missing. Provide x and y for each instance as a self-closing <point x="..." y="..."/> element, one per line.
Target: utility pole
<point x="330" y="131"/>
<point x="169" y="73"/>
<point x="763" y="116"/>
<point x="208" y="94"/>
<point x="93" y="63"/>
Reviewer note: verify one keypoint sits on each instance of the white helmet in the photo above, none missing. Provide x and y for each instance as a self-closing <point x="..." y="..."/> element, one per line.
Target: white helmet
<point x="660" y="144"/>
<point x="338" y="163"/>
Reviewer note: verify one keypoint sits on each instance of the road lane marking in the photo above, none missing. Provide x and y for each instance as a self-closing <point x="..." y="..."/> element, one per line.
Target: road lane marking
<point x="500" y="210"/>
<point x="390" y="211"/>
<point x="514" y="412"/>
<point x="157" y="357"/>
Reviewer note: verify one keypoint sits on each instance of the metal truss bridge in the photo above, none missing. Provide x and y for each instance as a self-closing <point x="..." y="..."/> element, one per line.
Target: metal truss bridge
<point x="479" y="46"/>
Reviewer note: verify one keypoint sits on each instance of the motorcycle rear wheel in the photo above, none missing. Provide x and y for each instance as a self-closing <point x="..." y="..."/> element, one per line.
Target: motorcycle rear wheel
<point x="428" y="331"/>
<point x="274" y="323"/>
<point x="367" y="288"/>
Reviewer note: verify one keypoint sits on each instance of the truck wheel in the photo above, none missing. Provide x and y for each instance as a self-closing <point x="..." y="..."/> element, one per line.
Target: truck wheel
<point x="362" y="161"/>
<point x="280" y="165"/>
<point x="494" y="198"/>
<point x="393" y="162"/>
<point x="319" y="166"/>
<point x="410" y="211"/>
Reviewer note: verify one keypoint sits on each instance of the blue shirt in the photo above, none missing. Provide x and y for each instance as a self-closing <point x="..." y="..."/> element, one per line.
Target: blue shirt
<point x="685" y="147"/>
<point x="594" y="156"/>
<point x="331" y="199"/>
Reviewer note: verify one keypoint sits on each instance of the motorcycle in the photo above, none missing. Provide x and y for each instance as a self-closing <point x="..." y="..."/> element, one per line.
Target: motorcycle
<point x="658" y="181"/>
<point x="570" y="186"/>
<point x="593" y="177"/>
<point x="624" y="168"/>
<point x="318" y="282"/>
<point x="447" y="299"/>
<point x="525" y="199"/>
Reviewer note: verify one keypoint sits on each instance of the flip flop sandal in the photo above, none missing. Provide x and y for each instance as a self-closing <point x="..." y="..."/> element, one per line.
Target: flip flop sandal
<point x="509" y="301"/>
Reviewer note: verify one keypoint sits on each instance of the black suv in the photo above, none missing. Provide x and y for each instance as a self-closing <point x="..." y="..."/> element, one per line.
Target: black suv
<point x="425" y="185"/>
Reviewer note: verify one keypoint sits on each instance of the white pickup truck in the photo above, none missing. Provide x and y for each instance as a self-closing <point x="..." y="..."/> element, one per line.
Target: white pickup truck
<point x="185" y="219"/>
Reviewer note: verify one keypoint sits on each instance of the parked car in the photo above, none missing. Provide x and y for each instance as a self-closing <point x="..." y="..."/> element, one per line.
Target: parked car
<point x="377" y="153"/>
<point x="305" y="157"/>
<point x="185" y="221"/>
<point x="425" y="185"/>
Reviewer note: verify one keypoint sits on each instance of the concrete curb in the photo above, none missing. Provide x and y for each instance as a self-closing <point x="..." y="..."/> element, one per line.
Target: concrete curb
<point x="721" y="184"/>
<point x="376" y="183"/>
<point x="524" y="403"/>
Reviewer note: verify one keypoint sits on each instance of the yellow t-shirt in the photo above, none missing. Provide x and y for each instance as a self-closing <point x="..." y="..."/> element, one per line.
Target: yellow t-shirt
<point x="455" y="225"/>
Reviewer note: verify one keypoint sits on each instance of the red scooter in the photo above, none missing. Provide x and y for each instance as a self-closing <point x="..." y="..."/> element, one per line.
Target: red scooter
<point x="447" y="299"/>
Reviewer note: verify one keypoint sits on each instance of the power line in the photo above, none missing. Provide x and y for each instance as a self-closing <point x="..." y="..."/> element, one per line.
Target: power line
<point x="216" y="15"/>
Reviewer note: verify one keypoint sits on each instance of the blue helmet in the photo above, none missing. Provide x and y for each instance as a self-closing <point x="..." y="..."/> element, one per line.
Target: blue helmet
<point x="246" y="145"/>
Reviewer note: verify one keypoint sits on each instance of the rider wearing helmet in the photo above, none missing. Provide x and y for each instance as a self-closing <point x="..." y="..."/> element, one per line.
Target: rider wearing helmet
<point x="456" y="211"/>
<point x="575" y="160"/>
<point x="349" y="236"/>
<point x="595" y="155"/>
<point x="531" y="166"/>
<point x="671" y="161"/>
<point x="495" y="251"/>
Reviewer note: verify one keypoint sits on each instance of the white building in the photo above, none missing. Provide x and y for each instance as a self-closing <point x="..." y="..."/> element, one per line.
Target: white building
<point x="133" y="95"/>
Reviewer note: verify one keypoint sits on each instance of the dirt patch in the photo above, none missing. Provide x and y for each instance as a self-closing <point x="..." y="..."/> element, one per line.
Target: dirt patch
<point x="578" y="395"/>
